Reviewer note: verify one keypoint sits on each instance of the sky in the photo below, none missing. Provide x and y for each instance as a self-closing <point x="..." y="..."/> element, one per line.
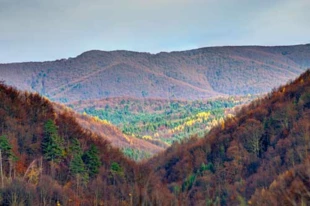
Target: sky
<point x="40" y="30"/>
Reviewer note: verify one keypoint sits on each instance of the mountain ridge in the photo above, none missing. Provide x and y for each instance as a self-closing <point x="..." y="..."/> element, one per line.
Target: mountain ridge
<point x="192" y="74"/>
<point x="153" y="53"/>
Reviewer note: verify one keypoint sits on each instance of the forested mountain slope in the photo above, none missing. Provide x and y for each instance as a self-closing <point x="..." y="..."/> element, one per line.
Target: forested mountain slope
<point x="259" y="157"/>
<point x="161" y="121"/>
<point x="194" y="74"/>
<point x="135" y="148"/>
<point x="49" y="159"/>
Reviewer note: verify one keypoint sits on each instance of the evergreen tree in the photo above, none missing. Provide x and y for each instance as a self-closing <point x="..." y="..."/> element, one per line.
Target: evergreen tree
<point x="52" y="144"/>
<point x="7" y="153"/>
<point x="116" y="168"/>
<point x="77" y="165"/>
<point x="75" y="147"/>
<point x="5" y="147"/>
<point x="92" y="161"/>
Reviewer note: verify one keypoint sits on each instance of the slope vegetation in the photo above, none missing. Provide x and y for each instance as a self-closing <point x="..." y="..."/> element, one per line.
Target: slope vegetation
<point x="135" y="148"/>
<point x="194" y="74"/>
<point x="49" y="159"/>
<point x="161" y="121"/>
<point x="259" y="157"/>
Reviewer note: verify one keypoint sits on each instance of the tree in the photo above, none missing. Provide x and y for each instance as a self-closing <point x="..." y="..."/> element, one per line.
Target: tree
<point x="77" y="166"/>
<point x="52" y="144"/>
<point x="77" y="169"/>
<point x="6" y="152"/>
<point x="5" y="146"/>
<point x="255" y="131"/>
<point x="116" y="168"/>
<point x="92" y="161"/>
<point x="250" y="135"/>
<point x="75" y="147"/>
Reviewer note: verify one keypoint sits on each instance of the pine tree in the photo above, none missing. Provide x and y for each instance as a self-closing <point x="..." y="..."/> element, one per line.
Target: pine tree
<point x="52" y="144"/>
<point x="92" y="161"/>
<point x="5" y="147"/>
<point x="6" y="153"/>
<point x="77" y="165"/>
<point x="75" y="147"/>
<point x="116" y="168"/>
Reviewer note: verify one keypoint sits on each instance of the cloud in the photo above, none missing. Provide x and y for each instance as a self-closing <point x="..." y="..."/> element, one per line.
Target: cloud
<point x="285" y="22"/>
<point x="44" y="29"/>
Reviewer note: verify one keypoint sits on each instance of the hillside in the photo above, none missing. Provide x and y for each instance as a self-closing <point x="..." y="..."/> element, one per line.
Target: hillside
<point x="49" y="159"/>
<point x="133" y="147"/>
<point x="161" y="121"/>
<point x="195" y="74"/>
<point x="259" y="157"/>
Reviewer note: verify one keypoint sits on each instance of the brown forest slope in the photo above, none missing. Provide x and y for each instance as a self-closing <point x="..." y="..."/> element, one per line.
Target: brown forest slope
<point x="48" y="158"/>
<point x="259" y="157"/>
<point x="194" y="74"/>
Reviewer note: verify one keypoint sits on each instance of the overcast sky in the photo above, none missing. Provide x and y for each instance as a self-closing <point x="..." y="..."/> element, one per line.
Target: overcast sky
<point x="38" y="30"/>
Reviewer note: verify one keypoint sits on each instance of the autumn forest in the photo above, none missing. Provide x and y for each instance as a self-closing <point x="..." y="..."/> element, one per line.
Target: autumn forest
<point x="154" y="103"/>
<point x="256" y="156"/>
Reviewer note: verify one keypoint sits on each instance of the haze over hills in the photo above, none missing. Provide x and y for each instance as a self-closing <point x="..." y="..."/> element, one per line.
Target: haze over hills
<point x="195" y="74"/>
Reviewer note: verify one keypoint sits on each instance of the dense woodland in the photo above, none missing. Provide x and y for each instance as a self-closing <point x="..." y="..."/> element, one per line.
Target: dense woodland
<point x="134" y="147"/>
<point x="48" y="159"/>
<point x="166" y="122"/>
<point x="162" y="122"/>
<point x="258" y="157"/>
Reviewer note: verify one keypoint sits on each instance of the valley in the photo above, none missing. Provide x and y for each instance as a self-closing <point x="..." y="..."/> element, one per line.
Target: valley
<point x="144" y="102"/>
<point x="53" y="155"/>
<point x="154" y="103"/>
<point x="162" y="121"/>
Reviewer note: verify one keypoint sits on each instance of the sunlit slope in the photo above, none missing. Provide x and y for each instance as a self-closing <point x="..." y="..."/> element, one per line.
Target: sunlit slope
<point x="195" y="74"/>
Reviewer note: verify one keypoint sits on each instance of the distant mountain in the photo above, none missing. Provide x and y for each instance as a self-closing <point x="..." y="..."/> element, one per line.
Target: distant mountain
<point x="259" y="157"/>
<point x="194" y="74"/>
